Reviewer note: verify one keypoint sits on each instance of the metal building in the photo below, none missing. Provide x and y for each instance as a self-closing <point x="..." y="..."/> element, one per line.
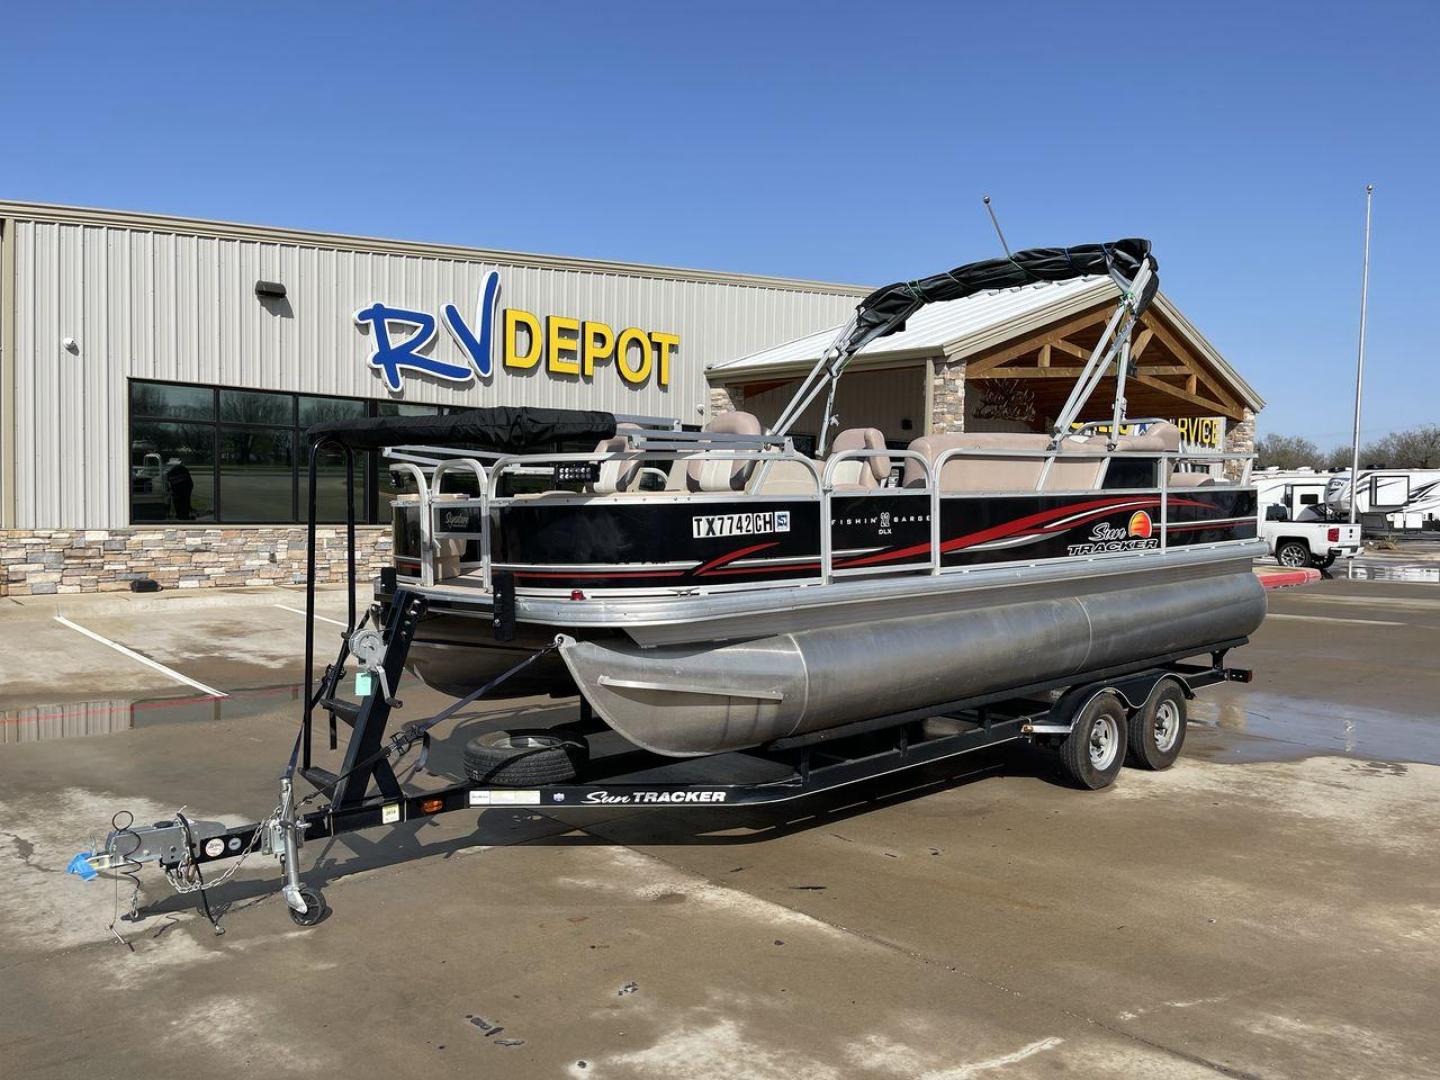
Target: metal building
<point x="155" y="372"/>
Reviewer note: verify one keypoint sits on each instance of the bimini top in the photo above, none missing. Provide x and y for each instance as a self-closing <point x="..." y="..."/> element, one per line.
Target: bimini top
<point x="503" y="427"/>
<point x="885" y="310"/>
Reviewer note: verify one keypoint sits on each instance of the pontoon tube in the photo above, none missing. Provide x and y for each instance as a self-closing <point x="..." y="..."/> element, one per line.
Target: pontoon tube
<point x="691" y="700"/>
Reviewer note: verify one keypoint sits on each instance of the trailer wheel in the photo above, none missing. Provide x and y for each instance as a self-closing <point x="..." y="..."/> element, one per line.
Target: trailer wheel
<point x="1157" y="728"/>
<point x="1095" y="748"/>
<point x="1293" y="553"/>
<point x="315" y="908"/>
<point x="525" y="756"/>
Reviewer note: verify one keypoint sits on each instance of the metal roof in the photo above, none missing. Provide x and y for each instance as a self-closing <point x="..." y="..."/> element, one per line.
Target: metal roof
<point x="945" y="327"/>
<point x="961" y="328"/>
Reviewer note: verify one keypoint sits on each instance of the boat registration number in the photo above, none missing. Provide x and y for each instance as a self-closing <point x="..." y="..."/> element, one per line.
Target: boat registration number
<point x="752" y="524"/>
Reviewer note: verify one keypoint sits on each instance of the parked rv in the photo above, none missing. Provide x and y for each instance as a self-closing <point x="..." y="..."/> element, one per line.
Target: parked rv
<point x="1300" y="491"/>
<point x="1388" y="500"/>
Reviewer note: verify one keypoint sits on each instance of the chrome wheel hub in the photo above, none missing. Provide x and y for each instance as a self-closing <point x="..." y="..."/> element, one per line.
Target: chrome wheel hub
<point x="1104" y="742"/>
<point x="1167" y="726"/>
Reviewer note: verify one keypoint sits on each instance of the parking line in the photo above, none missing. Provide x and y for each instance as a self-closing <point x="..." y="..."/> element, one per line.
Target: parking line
<point x="142" y="659"/>
<point x="297" y="611"/>
<point x="1333" y="618"/>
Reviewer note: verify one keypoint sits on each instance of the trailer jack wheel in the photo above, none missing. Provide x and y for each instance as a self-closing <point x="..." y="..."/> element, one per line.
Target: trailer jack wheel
<point x="315" y="908"/>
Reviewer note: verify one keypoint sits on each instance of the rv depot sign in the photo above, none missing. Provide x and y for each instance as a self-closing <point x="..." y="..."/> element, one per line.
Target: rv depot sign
<point x="560" y="345"/>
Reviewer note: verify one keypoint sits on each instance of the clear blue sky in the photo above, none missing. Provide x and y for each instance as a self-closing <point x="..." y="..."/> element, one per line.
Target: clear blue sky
<point x="842" y="142"/>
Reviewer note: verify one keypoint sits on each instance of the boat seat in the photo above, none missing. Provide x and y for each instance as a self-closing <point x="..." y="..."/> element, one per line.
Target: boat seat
<point x="786" y="478"/>
<point x="860" y="474"/>
<point x="1191" y="480"/>
<point x="711" y="475"/>
<point x="1159" y="439"/>
<point x="998" y="473"/>
<point x="618" y="474"/>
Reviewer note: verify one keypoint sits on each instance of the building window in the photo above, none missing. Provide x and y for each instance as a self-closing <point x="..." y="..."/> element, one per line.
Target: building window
<point x="211" y="454"/>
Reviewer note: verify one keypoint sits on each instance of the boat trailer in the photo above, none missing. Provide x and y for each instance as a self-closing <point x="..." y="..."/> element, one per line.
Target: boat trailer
<point x="366" y="793"/>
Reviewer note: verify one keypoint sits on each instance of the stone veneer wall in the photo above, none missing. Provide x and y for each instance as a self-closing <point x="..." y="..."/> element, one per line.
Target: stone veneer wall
<point x="726" y="399"/>
<point x="1240" y="439"/>
<point x="947" y="394"/>
<point x="41" y="561"/>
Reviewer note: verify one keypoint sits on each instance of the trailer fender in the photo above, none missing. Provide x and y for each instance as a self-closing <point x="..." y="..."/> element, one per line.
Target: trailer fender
<point x="1134" y="690"/>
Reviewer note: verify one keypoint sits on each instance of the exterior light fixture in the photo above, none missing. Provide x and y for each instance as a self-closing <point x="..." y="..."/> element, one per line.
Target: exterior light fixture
<point x="270" y="290"/>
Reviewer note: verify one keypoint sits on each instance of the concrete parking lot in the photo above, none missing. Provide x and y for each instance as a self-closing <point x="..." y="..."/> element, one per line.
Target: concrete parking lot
<point x="1268" y="908"/>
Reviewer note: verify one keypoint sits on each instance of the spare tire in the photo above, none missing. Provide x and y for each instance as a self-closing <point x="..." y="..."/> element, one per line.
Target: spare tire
<point x="525" y="757"/>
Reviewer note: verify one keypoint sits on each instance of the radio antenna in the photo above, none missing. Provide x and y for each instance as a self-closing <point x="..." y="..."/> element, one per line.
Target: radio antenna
<point x="994" y="221"/>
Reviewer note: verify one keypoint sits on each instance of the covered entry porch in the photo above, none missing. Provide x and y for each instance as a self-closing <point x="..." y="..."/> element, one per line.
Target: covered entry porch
<point x="1005" y="361"/>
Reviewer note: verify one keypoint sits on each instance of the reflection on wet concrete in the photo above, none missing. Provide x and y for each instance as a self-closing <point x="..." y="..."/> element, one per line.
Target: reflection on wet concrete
<point x="78" y="719"/>
<point x="1302" y="726"/>
<point x="1360" y="570"/>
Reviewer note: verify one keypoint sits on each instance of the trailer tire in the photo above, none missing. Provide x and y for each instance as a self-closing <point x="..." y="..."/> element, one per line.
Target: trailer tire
<point x="1094" y="751"/>
<point x="1157" y="728"/>
<point x="524" y="757"/>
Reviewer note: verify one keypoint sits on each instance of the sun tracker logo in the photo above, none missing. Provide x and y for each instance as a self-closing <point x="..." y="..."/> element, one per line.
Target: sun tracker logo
<point x="1138" y="534"/>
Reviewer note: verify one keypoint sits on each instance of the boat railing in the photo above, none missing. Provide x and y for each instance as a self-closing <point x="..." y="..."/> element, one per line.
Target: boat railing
<point x="451" y="515"/>
<point x="930" y="492"/>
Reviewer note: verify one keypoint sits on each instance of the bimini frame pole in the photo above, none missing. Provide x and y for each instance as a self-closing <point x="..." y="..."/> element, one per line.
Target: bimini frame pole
<point x="1104" y="351"/>
<point x="827" y="371"/>
<point x="309" y="702"/>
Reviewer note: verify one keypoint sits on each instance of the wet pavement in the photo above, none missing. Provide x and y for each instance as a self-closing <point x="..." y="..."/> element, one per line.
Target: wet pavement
<point x="1268" y="908"/>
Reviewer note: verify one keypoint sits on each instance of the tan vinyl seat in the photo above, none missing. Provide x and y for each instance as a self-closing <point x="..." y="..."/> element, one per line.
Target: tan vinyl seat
<point x="1191" y="480"/>
<point x="979" y="473"/>
<point x="722" y="475"/>
<point x="860" y="474"/>
<point x="619" y="474"/>
<point x="787" y="478"/>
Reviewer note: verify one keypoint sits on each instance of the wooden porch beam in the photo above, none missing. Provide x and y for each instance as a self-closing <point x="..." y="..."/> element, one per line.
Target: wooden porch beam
<point x="1039" y="341"/>
<point x="1187" y="357"/>
<point x="1185" y="395"/>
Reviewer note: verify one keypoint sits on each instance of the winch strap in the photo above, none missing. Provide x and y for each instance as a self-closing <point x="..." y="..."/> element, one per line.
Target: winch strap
<point x="412" y="733"/>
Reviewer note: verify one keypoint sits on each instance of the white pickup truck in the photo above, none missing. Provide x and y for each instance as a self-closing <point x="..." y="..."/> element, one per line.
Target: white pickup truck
<point x="1308" y="541"/>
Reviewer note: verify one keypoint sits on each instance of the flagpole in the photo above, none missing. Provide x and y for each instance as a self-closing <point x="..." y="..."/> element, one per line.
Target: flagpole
<point x="1360" y="365"/>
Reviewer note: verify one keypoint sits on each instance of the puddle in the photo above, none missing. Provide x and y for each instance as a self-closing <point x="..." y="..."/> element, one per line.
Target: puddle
<point x="1318" y="727"/>
<point x="108" y="716"/>
<point x="1429" y="575"/>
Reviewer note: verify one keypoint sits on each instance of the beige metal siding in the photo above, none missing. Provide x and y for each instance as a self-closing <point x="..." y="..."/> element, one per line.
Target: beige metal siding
<point x="156" y="304"/>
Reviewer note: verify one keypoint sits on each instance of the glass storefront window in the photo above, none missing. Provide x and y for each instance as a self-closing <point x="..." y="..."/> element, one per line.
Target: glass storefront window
<point x="215" y="454"/>
<point x="172" y="472"/>
<point x="321" y="410"/>
<point x="405" y="408"/>
<point x="330" y="486"/>
<point x="257" y="474"/>
<point x="257" y="407"/>
<point x="172" y="402"/>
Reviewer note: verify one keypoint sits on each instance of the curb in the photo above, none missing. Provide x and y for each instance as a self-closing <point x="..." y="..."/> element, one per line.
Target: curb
<point x="1281" y="579"/>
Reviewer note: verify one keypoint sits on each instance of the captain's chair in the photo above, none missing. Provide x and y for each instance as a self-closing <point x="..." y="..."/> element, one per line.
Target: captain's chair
<point x="617" y="474"/>
<point x="861" y="473"/>
<point x="703" y="474"/>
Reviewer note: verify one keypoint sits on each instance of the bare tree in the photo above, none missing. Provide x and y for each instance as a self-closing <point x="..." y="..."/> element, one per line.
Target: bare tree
<point x="1286" y="452"/>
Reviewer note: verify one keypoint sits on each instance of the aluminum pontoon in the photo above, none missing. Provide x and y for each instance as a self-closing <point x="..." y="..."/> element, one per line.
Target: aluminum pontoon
<point x="776" y="623"/>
